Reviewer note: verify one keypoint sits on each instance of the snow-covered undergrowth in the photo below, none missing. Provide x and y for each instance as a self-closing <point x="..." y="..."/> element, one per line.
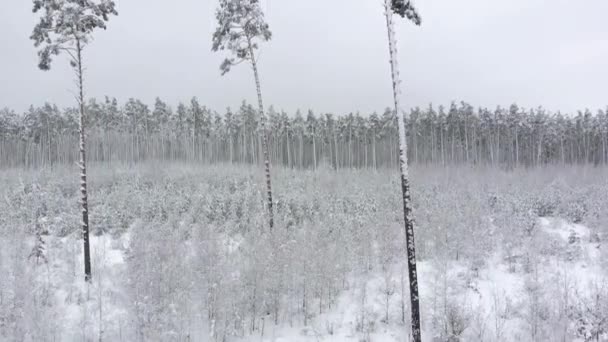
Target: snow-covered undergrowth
<point x="183" y="253"/>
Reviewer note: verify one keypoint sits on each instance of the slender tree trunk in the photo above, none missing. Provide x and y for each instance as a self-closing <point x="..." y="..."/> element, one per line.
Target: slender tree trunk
<point x="442" y="148"/>
<point x="490" y="147"/>
<point x="498" y="146"/>
<point x="231" y="147"/>
<point x="540" y="151"/>
<point x="432" y="144"/>
<point x="407" y="209"/>
<point x="466" y="139"/>
<point x="561" y="143"/>
<point x="350" y="149"/>
<point x="314" y="150"/>
<point x="453" y="145"/>
<point x="83" y="167"/>
<point x="264" y="135"/>
<point x="301" y="150"/>
<point x="288" y="151"/>
<point x="516" y="148"/>
<point x="415" y="140"/>
<point x="603" y="151"/>
<point x="365" y="152"/>
<point x="336" y="151"/>
<point x="374" y="150"/>
<point x="573" y="156"/>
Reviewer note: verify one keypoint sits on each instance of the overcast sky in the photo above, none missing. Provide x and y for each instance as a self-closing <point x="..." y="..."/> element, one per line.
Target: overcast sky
<point x="330" y="55"/>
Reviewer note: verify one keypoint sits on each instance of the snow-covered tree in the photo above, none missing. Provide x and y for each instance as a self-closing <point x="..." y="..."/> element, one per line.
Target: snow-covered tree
<point x="66" y="26"/>
<point x="241" y="27"/>
<point x="404" y="8"/>
<point x="160" y="116"/>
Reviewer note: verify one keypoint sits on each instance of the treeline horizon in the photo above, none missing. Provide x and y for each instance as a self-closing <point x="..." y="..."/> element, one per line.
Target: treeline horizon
<point x="459" y="133"/>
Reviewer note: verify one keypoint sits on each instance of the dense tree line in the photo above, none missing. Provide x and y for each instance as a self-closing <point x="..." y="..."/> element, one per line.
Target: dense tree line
<point x="459" y="133"/>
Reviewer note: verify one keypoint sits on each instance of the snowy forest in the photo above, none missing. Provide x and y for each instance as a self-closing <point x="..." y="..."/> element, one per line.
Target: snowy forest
<point x="178" y="222"/>
<point x="133" y="132"/>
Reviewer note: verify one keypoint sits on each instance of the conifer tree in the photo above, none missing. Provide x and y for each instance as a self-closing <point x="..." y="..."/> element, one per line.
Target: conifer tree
<point x="241" y="27"/>
<point x="66" y="26"/>
<point x="405" y="9"/>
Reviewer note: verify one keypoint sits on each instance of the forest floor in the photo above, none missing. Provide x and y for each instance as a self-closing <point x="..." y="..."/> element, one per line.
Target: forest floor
<point x="495" y="296"/>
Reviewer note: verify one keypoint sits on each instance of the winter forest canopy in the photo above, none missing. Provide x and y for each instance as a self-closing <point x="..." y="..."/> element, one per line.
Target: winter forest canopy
<point x="178" y="222"/>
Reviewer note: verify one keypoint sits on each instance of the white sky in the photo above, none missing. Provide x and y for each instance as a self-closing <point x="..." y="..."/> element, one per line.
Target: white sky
<point x="330" y="55"/>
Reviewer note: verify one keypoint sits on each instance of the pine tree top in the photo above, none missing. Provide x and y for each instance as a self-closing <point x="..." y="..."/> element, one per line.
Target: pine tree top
<point x="63" y="23"/>
<point x="406" y="9"/>
<point x="241" y="26"/>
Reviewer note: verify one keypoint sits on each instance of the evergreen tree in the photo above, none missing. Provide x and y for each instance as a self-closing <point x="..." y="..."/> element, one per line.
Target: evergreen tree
<point x="67" y="26"/>
<point x="404" y="8"/>
<point x="196" y="113"/>
<point x="160" y="115"/>
<point x="136" y="113"/>
<point x="241" y="26"/>
<point x="180" y="118"/>
<point x="9" y="123"/>
<point x="311" y="132"/>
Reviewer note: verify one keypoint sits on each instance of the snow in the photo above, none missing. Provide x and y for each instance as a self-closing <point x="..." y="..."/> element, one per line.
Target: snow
<point x="494" y="288"/>
<point x="563" y="229"/>
<point x="159" y="262"/>
<point x="78" y="302"/>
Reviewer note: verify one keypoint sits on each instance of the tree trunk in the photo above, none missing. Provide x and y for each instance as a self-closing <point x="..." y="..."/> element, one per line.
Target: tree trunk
<point x="516" y="148"/>
<point x="288" y="151"/>
<point x="442" y="148"/>
<point x="374" y="150"/>
<point x="498" y="146"/>
<point x="83" y="168"/>
<point x="350" y="147"/>
<point x="540" y="151"/>
<point x="336" y="153"/>
<point x="466" y="139"/>
<point x="231" y="147"/>
<point x="603" y="151"/>
<point x="407" y="209"/>
<point x="561" y="143"/>
<point x="314" y="151"/>
<point x="264" y="136"/>
<point x="301" y="150"/>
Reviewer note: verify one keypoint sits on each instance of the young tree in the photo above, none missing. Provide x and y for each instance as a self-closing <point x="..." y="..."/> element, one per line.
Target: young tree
<point x="405" y="9"/>
<point x="67" y="26"/>
<point x="241" y="27"/>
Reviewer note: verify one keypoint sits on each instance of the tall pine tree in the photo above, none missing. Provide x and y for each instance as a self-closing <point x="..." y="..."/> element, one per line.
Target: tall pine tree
<point x="66" y="26"/>
<point x="405" y="9"/>
<point x="241" y="27"/>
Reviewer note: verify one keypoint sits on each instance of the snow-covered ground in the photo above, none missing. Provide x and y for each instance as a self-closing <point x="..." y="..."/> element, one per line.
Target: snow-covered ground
<point x="183" y="256"/>
<point x="494" y="301"/>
